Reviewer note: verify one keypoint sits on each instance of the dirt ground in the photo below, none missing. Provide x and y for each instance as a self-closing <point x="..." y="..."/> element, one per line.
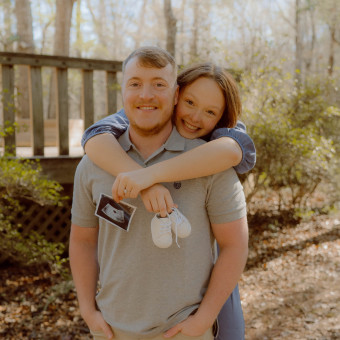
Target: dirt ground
<point x="289" y="290"/>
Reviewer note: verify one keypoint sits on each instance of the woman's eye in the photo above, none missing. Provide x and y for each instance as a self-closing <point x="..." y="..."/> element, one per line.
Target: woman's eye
<point x="212" y="113"/>
<point x="190" y="102"/>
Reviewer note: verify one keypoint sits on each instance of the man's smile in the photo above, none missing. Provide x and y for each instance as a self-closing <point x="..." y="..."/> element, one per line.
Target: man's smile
<point x="147" y="107"/>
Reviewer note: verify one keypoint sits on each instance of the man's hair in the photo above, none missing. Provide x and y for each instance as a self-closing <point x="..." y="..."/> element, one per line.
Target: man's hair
<point x="224" y="80"/>
<point x="152" y="56"/>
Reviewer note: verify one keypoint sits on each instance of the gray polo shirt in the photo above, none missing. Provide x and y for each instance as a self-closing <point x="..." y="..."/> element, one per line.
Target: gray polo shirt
<point x="144" y="289"/>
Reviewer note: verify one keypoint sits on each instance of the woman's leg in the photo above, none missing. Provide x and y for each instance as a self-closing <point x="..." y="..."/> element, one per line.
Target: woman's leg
<point x="230" y="320"/>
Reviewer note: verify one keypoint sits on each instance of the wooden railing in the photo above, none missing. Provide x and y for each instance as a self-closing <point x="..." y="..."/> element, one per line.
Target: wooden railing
<point x="35" y="89"/>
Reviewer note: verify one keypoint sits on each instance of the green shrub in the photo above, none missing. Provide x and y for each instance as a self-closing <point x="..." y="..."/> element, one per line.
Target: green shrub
<point x="294" y="130"/>
<point x="23" y="179"/>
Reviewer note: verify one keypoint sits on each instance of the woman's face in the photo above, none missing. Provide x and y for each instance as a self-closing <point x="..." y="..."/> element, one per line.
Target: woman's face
<point x="200" y="106"/>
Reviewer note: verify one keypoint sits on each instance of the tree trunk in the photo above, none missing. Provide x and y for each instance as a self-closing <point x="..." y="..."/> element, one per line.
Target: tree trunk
<point x="171" y="28"/>
<point x="310" y="57"/>
<point x="298" y="43"/>
<point x="63" y="27"/>
<point x="8" y="42"/>
<point x="194" y="41"/>
<point x="331" y="50"/>
<point x="182" y="49"/>
<point x="99" y="21"/>
<point x="79" y="39"/>
<point x="141" y="24"/>
<point x="25" y="45"/>
<point x="61" y="44"/>
<point x="332" y="26"/>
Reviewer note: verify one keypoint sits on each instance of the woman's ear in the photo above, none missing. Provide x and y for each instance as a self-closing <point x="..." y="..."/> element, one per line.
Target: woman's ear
<point x="176" y="95"/>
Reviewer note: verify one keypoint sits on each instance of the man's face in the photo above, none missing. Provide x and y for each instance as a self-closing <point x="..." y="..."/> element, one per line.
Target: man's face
<point x="149" y="96"/>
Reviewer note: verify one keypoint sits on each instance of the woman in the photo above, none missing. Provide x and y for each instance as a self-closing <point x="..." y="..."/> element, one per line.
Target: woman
<point x="208" y="106"/>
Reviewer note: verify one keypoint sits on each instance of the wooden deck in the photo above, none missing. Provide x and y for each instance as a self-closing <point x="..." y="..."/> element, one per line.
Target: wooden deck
<point x="55" y="142"/>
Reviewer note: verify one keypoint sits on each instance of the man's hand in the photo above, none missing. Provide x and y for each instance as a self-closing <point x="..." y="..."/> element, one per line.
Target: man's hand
<point x="192" y="326"/>
<point x="157" y="199"/>
<point x="96" y="322"/>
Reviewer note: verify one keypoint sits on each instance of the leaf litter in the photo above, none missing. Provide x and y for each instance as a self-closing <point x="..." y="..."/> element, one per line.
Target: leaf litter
<point x="289" y="290"/>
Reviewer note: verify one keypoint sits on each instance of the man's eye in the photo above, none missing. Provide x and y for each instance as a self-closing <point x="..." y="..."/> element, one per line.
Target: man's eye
<point x="134" y="84"/>
<point x="160" y="85"/>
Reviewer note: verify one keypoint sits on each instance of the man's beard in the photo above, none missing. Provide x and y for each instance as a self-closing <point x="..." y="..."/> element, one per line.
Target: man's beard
<point x="151" y="131"/>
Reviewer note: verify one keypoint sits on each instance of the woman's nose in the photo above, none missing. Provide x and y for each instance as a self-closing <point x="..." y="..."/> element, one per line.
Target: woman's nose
<point x="195" y="116"/>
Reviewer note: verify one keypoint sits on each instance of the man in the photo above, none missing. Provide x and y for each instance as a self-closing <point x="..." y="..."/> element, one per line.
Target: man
<point x="146" y="291"/>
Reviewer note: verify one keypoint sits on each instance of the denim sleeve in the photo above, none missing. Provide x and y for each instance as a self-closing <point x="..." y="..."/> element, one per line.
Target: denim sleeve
<point x="116" y="124"/>
<point x="239" y="134"/>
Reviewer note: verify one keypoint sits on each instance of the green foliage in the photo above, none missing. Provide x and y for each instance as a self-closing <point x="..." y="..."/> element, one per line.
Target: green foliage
<point x="294" y="130"/>
<point x="23" y="179"/>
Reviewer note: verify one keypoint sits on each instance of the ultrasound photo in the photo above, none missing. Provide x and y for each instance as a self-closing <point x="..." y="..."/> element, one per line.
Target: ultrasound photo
<point x="117" y="214"/>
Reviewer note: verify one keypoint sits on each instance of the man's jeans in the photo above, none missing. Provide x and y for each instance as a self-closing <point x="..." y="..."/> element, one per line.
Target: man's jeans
<point x="118" y="335"/>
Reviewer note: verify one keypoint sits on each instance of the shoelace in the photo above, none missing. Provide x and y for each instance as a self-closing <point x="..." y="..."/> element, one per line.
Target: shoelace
<point x="178" y="220"/>
<point x="165" y="225"/>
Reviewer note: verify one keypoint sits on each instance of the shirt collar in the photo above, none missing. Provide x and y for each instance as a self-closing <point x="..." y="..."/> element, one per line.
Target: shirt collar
<point x="175" y="142"/>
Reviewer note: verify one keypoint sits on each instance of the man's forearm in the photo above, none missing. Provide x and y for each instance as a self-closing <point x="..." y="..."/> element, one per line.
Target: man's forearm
<point x="225" y="275"/>
<point x="84" y="266"/>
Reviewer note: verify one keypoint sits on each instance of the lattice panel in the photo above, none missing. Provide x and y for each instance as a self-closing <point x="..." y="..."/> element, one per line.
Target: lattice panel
<point x="51" y="221"/>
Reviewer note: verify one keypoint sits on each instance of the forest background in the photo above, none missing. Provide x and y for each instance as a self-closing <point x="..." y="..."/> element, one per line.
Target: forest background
<point x="285" y="55"/>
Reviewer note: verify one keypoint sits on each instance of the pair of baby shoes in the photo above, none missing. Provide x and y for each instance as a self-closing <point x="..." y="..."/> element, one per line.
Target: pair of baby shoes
<point x="162" y="228"/>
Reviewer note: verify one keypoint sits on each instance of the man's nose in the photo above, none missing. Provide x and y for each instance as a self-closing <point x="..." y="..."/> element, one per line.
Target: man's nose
<point x="146" y="92"/>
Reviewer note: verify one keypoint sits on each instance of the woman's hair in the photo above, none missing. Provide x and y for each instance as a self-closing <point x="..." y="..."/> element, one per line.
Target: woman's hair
<point x="226" y="82"/>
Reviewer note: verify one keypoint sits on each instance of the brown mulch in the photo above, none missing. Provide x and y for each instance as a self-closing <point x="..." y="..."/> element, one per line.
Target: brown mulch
<point x="290" y="289"/>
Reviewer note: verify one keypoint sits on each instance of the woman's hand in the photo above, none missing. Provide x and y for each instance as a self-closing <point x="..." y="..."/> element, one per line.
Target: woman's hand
<point x="157" y="199"/>
<point x="192" y="326"/>
<point x="130" y="184"/>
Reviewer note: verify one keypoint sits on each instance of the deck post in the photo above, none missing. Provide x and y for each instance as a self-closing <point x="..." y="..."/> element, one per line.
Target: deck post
<point x="36" y="110"/>
<point x="111" y="92"/>
<point x="62" y="111"/>
<point x="7" y="72"/>
<point x="87" y="98"/>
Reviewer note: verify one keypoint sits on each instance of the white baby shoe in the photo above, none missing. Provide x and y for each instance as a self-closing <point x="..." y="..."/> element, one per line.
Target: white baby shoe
<point x="161" y="228"/>
<point x="179" y="224"/>
<point x="161" y="231"/>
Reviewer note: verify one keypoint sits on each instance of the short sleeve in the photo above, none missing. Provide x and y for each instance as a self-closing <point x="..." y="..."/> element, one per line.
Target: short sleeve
<point x="239" y="134"/>
<point x="83" y="206"/>
<point x="225" y="200"/>
<point x="115" y="124"/>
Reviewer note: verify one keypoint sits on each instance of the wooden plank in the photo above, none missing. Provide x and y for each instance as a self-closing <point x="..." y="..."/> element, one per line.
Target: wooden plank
<point x="62" y="111"/>
<point x="61" y="169"/>
<point x="87" y="99"/>
<point x="7" y="72"/>
<point x="111" y="92"/>
<point x="36" y="111"/>
<point x="9" y="58"/>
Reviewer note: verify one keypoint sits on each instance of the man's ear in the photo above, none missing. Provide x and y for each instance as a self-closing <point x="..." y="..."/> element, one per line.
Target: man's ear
<point x="176" y="95"/>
